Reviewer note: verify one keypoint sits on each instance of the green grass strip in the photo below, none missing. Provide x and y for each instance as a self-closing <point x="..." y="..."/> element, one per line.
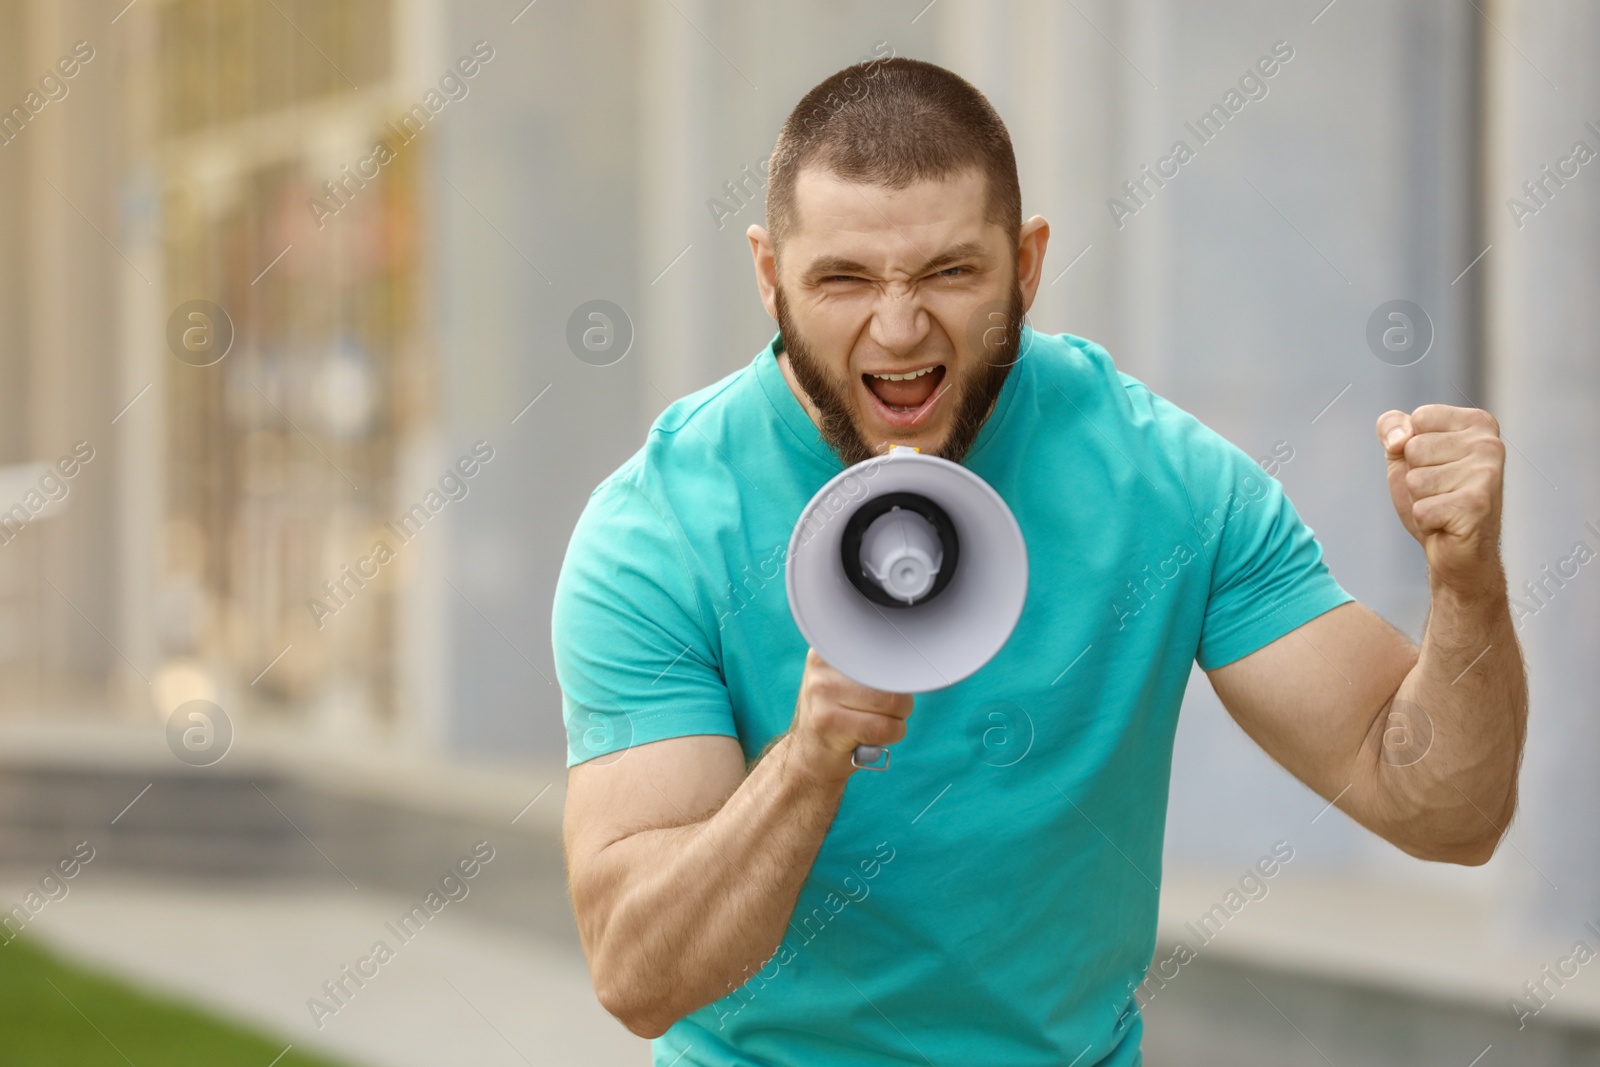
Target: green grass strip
<point x="54" y="1012"/>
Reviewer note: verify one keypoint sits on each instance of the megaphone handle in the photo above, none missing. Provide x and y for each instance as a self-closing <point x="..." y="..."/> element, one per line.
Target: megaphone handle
<point x="867" y="756"/>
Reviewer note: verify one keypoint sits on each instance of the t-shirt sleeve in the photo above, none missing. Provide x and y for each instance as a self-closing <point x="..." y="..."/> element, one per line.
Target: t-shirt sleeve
<point x="632" y="654"/>
<point x="1267" y="574"/>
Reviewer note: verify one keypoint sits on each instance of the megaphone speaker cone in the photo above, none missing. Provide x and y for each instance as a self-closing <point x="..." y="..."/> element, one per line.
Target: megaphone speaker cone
<point x="899" y="549"/>
<point x="907" y="572"/>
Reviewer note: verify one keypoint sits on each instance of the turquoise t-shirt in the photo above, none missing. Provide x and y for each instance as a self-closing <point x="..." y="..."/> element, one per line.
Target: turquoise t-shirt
<point x="991" y="898"/>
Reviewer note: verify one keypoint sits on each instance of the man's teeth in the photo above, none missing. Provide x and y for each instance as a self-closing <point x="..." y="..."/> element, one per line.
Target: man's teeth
<point x="905" y="377"/>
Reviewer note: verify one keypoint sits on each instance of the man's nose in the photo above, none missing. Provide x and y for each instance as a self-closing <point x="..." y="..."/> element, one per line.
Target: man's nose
<point x="899" y="322"/>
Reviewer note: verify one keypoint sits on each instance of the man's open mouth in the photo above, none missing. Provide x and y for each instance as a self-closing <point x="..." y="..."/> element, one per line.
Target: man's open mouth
<point x="906" y="393"/>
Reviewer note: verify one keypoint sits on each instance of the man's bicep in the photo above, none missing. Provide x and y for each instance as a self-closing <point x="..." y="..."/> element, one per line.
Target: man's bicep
<point x="648" y="787"/>
<point x="613" y="798"/>
<point x="1311" y="699"/>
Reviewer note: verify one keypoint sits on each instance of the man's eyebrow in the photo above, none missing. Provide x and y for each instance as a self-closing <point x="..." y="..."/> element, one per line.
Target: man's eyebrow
<point x="829" y="265"/>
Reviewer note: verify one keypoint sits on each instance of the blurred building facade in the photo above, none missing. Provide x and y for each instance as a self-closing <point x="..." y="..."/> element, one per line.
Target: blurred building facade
<point x="202" y="262"/>
<point x="399" y="317"/>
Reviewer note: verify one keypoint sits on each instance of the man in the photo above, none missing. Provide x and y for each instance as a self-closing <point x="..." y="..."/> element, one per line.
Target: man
<point x="744" y="896"/>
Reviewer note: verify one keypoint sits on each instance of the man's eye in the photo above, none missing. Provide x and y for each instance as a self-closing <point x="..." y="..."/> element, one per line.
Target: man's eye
<point x="841" y="278"/>
<point x="953" y="272"/>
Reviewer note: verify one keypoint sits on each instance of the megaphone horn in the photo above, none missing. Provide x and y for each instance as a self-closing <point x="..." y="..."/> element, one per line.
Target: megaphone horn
<point x="906" y="573"/>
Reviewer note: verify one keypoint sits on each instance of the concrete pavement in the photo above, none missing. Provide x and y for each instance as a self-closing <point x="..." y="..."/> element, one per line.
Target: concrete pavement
<point x="463" y="989"/>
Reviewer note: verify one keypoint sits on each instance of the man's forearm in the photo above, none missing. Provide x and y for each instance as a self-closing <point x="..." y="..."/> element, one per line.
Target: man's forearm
<point x="689" y="911"/>
<point x="1454" y="732"/>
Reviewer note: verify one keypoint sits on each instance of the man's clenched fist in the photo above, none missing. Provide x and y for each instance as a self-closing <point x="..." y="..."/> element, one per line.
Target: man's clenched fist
<point x="833" y="715"/>
<point x="1446" y="466"/>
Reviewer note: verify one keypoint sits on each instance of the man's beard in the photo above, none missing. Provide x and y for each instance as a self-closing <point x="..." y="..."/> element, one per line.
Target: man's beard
<point x="975" y="395"/>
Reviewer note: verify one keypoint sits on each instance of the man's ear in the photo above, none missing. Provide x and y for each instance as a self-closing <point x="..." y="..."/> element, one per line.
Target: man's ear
<point x="1031" y="241"/>
<point x="766" y="264"/>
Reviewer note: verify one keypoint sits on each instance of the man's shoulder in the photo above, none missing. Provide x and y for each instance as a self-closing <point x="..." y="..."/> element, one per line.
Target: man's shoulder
<point x="690" y="428"/>
<point x="1060" y="355"/>
<point x="1077" y="371"/>
<point x="1087" y="375"/>
<point x="1081" y="384"/>
<point x="1063" y="360"/>
<point x="707" y="408"/>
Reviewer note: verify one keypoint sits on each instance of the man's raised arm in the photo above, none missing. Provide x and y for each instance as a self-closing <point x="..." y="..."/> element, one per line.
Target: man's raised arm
<point x="1420" y="746"/>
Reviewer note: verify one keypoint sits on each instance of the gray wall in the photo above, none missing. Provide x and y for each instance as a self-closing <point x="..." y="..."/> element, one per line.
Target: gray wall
<point x="545" y="150"/>
<point x="1544" y="280"/>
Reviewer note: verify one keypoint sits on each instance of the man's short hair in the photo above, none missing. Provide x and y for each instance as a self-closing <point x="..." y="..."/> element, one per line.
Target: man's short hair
<point x="893" y="122"/>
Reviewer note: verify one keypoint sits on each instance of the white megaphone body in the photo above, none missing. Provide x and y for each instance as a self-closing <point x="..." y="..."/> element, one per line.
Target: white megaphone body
<point x="906" y="573"/>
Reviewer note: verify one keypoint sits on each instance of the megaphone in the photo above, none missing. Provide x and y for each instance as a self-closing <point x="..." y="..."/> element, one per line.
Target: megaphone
<point x="906" y="573"/>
